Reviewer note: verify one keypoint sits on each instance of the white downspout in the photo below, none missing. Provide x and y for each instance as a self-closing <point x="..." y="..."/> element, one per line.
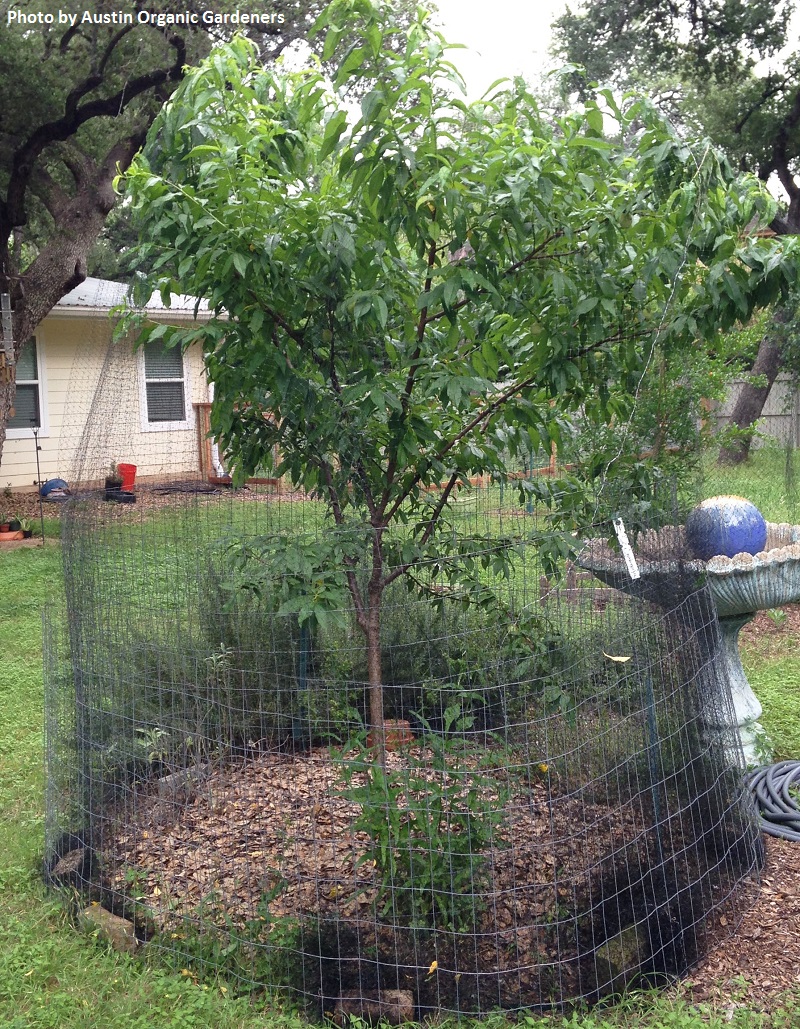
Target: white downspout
<point x="215" y="458"/>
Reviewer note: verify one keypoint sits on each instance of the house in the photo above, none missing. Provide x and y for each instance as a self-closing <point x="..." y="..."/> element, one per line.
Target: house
<point x="91" y="402"/>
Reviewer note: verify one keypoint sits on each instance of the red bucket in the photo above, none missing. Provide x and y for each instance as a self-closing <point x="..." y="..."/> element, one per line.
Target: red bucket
<point x="128" y="473"/>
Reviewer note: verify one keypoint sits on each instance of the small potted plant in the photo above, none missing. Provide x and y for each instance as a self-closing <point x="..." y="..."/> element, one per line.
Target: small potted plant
<point x="9" y="529"/>
<point x="25" y="525"/>
<point x="113" y="483"/>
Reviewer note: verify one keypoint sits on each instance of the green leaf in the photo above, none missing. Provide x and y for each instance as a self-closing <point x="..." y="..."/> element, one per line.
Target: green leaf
<point x="352" y="60"/>
<point x="594" y="119"/>
<point x="333" y="130"/>
<point x="586" y="305"/>
<point x="240" y="263"/>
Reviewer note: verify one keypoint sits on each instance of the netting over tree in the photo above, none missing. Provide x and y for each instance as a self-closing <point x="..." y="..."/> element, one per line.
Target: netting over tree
<point x="141" y="406"/>
<point x="559" y="813"/>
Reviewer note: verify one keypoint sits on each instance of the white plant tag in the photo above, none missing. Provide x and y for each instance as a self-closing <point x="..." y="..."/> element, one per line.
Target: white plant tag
<point x="627" y="551"/>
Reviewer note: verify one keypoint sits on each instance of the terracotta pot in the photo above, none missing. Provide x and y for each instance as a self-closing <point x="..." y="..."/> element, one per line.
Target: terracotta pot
<point x="397" y="733"/>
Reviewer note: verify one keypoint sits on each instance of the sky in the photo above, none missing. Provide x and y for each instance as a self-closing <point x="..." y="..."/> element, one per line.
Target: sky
<point x="505" y="37"/>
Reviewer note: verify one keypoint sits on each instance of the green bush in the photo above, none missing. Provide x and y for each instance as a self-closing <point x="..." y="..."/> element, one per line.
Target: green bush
<point x="427" y="824"/>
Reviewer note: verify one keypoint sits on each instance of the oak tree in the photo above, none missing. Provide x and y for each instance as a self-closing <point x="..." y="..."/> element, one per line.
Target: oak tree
<point x="79" y="88"/>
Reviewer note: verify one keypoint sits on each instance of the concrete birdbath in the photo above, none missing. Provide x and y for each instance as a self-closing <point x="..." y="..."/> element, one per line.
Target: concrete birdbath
<point x="739" y="585"/>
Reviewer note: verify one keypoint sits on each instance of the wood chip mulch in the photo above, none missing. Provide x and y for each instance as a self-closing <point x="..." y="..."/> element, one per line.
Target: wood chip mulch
<point x="279" y="826"/>
<point x="757" y="965"/>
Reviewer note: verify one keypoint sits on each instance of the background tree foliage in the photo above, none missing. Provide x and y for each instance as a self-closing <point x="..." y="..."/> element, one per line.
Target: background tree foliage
<point x="724" y="68"/>
<point x="76" y="102"/>
<point x="418" y="291"/>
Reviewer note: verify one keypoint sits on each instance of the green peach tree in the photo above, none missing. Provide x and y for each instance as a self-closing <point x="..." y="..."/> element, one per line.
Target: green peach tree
<point x="415" y="291"/>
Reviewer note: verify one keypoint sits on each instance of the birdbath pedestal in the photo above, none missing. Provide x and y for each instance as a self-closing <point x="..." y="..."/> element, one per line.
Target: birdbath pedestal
<point x="746" y="705"/>
<point x="740" y="586"/>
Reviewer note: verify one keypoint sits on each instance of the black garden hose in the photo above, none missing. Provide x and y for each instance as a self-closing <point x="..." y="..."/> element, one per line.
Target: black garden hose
<point x="780" y="814"/>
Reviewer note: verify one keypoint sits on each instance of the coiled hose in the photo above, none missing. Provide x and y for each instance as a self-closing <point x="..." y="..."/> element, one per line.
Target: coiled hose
<point x="780" y="814"/>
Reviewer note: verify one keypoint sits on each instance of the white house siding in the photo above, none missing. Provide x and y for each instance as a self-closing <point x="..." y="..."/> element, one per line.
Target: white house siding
<point x="87" y="428"/>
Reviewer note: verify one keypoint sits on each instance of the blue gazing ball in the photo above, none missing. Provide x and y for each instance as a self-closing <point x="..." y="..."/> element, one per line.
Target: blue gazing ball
<point x="725" y="526"/>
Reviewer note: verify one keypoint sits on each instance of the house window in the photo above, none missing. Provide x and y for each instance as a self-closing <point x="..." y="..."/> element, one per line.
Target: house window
<point x="28" y="400"/>
<point x="164" y="386"/>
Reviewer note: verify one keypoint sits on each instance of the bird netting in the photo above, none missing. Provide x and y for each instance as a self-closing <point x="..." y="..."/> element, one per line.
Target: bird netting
<point x="144" y="408"/>
<point x="558" y="812"/>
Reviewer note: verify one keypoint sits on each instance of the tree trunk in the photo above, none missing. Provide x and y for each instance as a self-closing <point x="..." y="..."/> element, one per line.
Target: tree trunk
<point x="374" y="674"/>
<point x="61" y="264"/>
<point x="751" y="400"/>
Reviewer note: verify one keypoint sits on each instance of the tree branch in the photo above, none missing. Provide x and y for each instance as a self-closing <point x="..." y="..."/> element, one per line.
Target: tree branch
<point x="780" y="149"/>
<point x="391" y="467"/>
<point x="350" y="575"/>
<point x="111" y="46"/>
<point x="44" y="186"/>
<point x="432" y="521"/>
<point x="537" y="250"/>
<point x="423" y="314"/>
<point x="80" y="166"/>
<point x="534" y="255"/>
<point x="768" y="93"/>
<point x="75" y="115"/>
<point x="278" y="318"/>
<point x="359" y="464"/>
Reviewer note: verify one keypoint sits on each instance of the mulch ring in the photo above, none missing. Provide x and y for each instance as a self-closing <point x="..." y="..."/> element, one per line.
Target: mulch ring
<point x="272" y="843"/>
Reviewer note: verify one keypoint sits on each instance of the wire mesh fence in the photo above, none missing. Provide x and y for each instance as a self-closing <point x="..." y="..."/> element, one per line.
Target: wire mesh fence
<point x="553" y="809"/>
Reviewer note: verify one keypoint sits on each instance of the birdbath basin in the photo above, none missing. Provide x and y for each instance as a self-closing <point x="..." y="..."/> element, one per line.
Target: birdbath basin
<point x="739" y="586"/>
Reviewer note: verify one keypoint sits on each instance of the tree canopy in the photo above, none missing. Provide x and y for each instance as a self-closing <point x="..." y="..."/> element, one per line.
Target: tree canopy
<point x="725" y="69"/>
<point x="418" y="291"/>
<point x="79" y="91"/>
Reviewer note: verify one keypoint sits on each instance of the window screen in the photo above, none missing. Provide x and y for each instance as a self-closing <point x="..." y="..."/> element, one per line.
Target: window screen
<point x="164" y="386"/>
<point x="27" y="412"/>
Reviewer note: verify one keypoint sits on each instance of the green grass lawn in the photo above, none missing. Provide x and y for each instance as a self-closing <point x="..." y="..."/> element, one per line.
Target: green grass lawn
<point x="770" y="478"/>
<point x="774" y="674"/>
<point x="52" y="975"/>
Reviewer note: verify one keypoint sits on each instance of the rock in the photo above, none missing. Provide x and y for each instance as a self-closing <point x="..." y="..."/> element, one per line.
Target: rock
<point x="118" y="932"/>
<point x="621" y="957"/>
<point x="70" y="863"/>
<point x="393" y="1006"/>
<point x="181" y="786"/>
